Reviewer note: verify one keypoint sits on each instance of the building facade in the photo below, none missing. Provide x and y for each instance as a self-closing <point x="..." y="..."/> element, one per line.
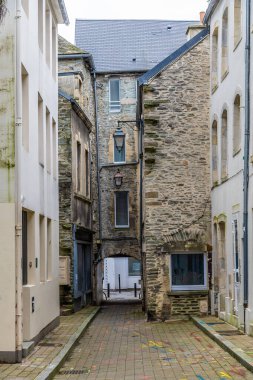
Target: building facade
<point x="122" y="51"/>
<point x="231" y="181"/>
<point x="29" y="223"/>
<point x="174" y="108"/>
<point x="76" y="110"/>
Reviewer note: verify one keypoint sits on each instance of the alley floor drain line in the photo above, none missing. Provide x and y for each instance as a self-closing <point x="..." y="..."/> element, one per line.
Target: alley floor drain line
<point x="74" y="371"/>
<point x="229" y="332"/>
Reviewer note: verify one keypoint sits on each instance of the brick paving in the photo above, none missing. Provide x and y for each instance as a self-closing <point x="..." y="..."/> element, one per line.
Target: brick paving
<point x="121" y="345"/>
<point x="47" y="349"/>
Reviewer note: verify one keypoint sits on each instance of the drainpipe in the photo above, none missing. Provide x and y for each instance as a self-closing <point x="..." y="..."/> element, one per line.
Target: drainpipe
<point x="141" y="131"/>
<point x="246" y="162"/>
<point x="18" y="205"/>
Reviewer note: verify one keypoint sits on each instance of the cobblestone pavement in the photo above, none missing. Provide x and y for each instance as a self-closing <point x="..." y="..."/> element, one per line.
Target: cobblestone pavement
<point x="47" y="349"/>
<point x="120" y="345"/>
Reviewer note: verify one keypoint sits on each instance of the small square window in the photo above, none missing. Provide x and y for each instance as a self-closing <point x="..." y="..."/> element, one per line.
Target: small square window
<point x="121" y="209"/>
<point x="188" y="271"/>
<point x="134" y="267"/>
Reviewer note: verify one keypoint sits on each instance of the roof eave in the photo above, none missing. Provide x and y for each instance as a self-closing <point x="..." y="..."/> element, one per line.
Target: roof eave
<point x="60" y="11"/>
<point x="211" y="8"/>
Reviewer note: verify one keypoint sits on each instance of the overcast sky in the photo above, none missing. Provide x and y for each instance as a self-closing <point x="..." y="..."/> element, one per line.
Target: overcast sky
<point x="130" y="9"/>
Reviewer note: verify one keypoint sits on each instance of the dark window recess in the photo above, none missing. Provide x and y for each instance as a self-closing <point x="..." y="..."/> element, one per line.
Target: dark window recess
<point x="134" y="267"/>
<point x="121" y="209"/>
<point x="119" y="153"/>
<point x="78" y="165"/>
<point x="114" y="95"/>
<point x="84" y="268"/>
<point x="188" y="269"/>
<point x="87" y="172"/>
<point x="24" y="248"/>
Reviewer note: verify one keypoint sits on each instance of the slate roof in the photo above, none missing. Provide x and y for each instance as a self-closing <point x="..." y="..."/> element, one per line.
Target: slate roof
<point x="130" y="45"/>
<point x="65" y="47"/>
<point x="149" y="75"/>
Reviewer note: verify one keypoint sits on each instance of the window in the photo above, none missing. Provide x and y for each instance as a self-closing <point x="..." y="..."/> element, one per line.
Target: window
<point x="134" y="267"/>
<point x="237" y="125"/>
<point x="48" y="140"/>
<point x="54" y="53"/>
<point x="224" y="68"/>
<point x="54" y="148"/>
<point x="214" y="152"/>
<point x="78" y="166"/>
<point x="224" y="143"/>
<point x="120" y="151"/>
<point x="215" y="39"/>
<point x="48" y="36"/>
<point x="40" y="24"/>
<point x="40" y="130"/>
<point x="25" y="108"/>
<point x="25" y="6"/>
<point x="42" y="249"/>
<point x="49" y="249"/>
<point x="121" y="209"/>
<point x="24" y="248"/>
<point x="114" y="95"/>
<point x="237" y="22"/>
<point x="188" y="271"/>
<point x="87" y="173"/>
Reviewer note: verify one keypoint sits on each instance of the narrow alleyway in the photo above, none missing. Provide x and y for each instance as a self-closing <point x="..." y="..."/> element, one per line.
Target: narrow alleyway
<point x="121" y="345"/>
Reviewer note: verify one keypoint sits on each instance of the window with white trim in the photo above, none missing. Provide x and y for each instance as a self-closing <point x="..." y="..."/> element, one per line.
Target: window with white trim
<point x="189" y="271"/>
<point x="114" y="95"/>
<point x="121" y="209"/>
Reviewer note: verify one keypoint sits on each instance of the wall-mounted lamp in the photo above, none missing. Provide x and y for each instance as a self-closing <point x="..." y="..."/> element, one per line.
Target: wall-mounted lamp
<point x="118" y="179"/>
<point x="119" y="138"/>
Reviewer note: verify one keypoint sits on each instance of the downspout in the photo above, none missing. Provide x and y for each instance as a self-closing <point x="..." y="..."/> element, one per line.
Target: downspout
<point x="98" y="156"/>
<point x="18" y="205"/>
<point x="246" y="163"/>
<point x="141" y="132"/>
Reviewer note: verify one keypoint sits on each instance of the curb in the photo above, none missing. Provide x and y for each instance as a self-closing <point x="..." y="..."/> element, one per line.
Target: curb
<point x="234" y="351"/>
<point x="57" y="362"/>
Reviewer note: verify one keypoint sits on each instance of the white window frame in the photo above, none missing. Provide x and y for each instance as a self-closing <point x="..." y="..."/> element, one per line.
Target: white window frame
<point x="115" y="210"/>
<point x="124" y="147"/>
<point x="190" y="287"/>
<point x="116" y="103"/>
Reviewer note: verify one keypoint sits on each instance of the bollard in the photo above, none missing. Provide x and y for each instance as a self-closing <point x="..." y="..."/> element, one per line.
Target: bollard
<point x="135" y="290"/>
<point x="108" y="290"/>
<point x="119" y="284"/>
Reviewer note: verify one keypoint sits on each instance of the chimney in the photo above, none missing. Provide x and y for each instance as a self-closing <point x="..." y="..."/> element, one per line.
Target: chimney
<point x="201" y="16"/>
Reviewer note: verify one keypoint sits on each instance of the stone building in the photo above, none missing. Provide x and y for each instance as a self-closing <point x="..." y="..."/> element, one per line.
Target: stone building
<point x="76" y="133"/>
<point x="29" y="223"/>
<point x="174" y="108"/>
<point x="122" y="51"/>
<point x="231" y="153"/>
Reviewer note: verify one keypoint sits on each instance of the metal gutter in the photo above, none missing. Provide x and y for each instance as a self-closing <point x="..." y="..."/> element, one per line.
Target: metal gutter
<point x="211" y="8"/>
<point x="246" y="162"/>
<point x="86" y="56"/>
<point x="64" y="12"/>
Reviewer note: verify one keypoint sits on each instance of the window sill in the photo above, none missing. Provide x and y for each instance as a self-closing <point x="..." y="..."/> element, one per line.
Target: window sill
<point x="224" y="75"/>
<point x="214" y="88"/>
<point x="236" y="152"/>
<point x="121" y="227"/>
<point x="173" y="293"/>
<point x="82" y="197"/>
<point x="237" y="44"/>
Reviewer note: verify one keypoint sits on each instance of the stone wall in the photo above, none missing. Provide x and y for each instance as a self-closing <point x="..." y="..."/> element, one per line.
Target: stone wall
<point x="176" y="177"/>
<point x="118" y="241"/>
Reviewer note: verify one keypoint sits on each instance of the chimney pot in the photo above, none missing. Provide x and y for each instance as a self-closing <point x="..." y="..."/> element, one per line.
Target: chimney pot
<point x="201" y="16"/>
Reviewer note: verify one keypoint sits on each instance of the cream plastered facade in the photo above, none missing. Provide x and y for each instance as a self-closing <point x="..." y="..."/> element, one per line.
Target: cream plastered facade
<point x="228" y="114"/>
<point x="28" y="173"/>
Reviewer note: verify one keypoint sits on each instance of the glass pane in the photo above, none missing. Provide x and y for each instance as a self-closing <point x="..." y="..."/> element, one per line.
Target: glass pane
<point x="134" y="267"/>
<point x="188" y="269"/>
<point x="114" y="90"/>
<point x="119" y="155"/>
<point x="121" y="199"/>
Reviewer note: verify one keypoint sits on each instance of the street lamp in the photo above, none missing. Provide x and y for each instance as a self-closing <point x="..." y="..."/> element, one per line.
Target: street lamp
<point x="119" y="138"/>
<point x="118" y="179"/>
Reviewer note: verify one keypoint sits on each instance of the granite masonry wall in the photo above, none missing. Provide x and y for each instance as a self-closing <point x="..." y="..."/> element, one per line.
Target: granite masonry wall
<point x="118" y="241"/>
<point x="176" y="177"/>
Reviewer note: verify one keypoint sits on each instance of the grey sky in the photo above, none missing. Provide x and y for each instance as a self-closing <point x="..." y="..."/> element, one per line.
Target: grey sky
<point x="130" y="9"/>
